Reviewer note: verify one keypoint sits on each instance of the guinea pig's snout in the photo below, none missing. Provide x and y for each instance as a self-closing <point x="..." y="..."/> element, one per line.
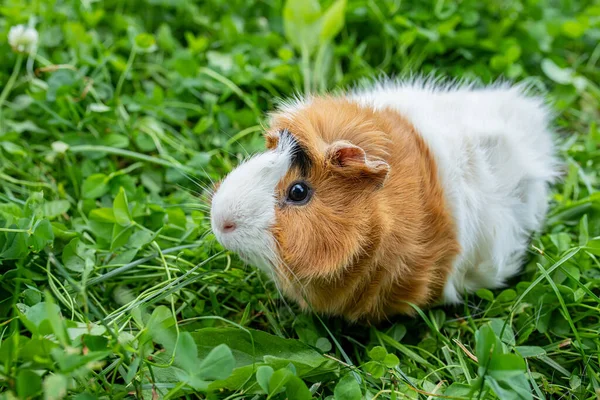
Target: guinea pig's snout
<point x="223" y="222"/>
<point x="243" y="209"/>
<point x="227" y="226"/>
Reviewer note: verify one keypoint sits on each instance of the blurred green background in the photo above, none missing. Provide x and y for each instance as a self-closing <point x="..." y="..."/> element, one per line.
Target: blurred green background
<point x="115" y="121"/>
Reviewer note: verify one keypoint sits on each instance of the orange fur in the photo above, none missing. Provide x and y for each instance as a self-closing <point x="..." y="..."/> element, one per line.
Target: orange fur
<point x="377" y="233"/>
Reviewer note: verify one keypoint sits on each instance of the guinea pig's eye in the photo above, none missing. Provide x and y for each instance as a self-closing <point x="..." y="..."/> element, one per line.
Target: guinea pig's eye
<point x="299" y="193"/>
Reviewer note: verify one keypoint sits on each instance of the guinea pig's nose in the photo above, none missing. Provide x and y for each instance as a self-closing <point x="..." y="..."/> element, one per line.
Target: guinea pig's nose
<point x="228" y="226"/>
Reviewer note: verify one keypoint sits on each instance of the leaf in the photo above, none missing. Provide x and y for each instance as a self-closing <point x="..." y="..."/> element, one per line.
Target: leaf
<point x="397" y="332"/>
<point x="263" y="376"/>
<point x="62" y="232"/>
<point x="94" y="186"/>
<point x="186" y="354"/>
<point x="375" y="368"/>
<point x="95" y="343"/>
<point x="103" y="215"/>
<point x="121" y="209"/>
<point x="120" y="236"/>
<point x="347" y="389"/>
<point x="32" y="296"/>
<point x="332" y="21"/>
<point x="593" y="246"/>
<point x="41" y="312"/>
<point x="301" y="20"/>
<point x="133" y="369"/>
<point x="278" y="380"/>
<point x="116" y="140"/>
<point x="28" y="384"/>
<point x="507" y="390"/>
<point x="42" y="236"/>
<point x="458" y="390"/>
<point x="55" y="208"/>
<point x="124" y="257"/>
<point x="504" y="366"/>
<point x="33" y="205"/>
<point x="177" y="217"/>
<point x="378" y="353"/>
<point x="486" y="346"/>
<point x="391" y="360"/>
<point x="218" y="364"/>
<point x="296" y="389"/>
<point x="505" y="373"/>
<point x="53" y="315"/>
<point x="141" y="238"/>
<point x="10" y="210"/>
<point x="506" y="296"/>
<point x="485" y="294"/>
<point x="161" y="326"/>
<point x="323" y="344"/>
<point x="15" y="246"/>
<point x="75" y="254"/>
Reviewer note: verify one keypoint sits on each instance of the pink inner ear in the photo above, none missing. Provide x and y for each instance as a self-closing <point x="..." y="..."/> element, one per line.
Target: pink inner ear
<point x="352" y="153"/>
<point x="353" y="160"/>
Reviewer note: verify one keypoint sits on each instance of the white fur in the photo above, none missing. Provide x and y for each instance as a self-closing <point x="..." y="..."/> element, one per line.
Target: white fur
<point x="495" y="157"/>
<point x="246" y="197"/>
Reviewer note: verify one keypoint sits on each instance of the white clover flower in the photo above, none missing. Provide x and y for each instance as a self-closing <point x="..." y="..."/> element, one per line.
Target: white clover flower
<point x="60" y="147"/>
<point x="23" y="39"/>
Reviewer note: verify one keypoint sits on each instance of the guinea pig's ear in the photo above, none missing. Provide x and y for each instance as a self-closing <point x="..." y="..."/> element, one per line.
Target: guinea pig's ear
<point x="271" y="139"/>
<point x="351" y="160"/>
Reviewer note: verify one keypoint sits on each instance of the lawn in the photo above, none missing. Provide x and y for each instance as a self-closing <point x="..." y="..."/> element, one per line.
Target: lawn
<point x="114" y="124"/>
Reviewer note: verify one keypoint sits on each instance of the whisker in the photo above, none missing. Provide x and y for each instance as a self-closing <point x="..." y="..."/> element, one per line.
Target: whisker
<point x="195" y="180"/>
<point x="235" y="141"/>
<point x="204" y="198"/>
<point x="190" y="191"/>
<point x="274" y="273"/>
<point x="207" y="175"/>
<point x="277" y="261"/>
<point x="193" y="206"/>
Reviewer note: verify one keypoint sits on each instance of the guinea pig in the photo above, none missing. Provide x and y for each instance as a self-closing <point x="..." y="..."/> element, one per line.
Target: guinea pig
<point x="402" y="194"/>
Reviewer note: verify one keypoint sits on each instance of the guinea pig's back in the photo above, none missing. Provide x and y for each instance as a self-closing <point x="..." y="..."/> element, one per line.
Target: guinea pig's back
<point x="494" y="153"/>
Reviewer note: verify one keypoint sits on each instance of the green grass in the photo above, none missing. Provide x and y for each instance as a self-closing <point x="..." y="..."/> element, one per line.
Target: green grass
<point x="112" y="285"/>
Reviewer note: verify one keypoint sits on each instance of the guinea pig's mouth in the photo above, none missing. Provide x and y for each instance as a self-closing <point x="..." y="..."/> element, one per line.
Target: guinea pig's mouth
<point x="251" y="246"/>
<point x="255" y="259"/>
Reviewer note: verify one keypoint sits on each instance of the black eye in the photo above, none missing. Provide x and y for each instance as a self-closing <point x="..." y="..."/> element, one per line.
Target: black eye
<point x="298" y="192"/>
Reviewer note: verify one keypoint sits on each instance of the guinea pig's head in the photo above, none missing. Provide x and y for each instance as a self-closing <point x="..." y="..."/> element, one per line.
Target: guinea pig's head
<point x="308" y="207"/>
